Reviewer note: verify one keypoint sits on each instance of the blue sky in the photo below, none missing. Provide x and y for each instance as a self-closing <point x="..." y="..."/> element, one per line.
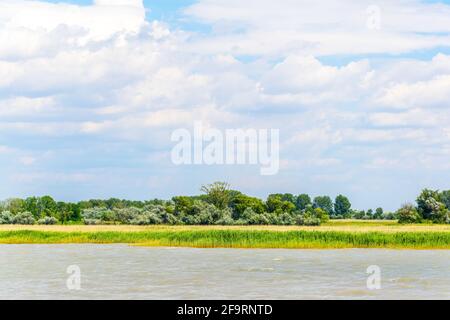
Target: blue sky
<point x="358" y="90"/>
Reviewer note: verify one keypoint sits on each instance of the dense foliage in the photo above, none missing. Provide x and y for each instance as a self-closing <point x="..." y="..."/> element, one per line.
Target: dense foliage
<point x="432" y="206"/>
<point x="218" y="205"/>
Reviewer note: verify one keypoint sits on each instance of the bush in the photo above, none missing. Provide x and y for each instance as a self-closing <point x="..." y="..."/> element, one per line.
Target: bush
<point x="25" y="218"/>
<point x="206" y="213"/>
<point x="6" y="217"/>
<point x="147" y="218"/>
<point x="226" y="221"/>
<point x="93" y="216"/>
<point x="127" y="215"/>
<point x="312" y="217"/>
<point x="48" y="221"/>
<point x="286" y="219"/>
<point x="408" y="214"/>
<point x="322" y="215"/>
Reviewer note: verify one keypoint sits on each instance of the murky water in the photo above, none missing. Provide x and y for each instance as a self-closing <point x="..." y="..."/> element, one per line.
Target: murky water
<point x="126" y="272"/>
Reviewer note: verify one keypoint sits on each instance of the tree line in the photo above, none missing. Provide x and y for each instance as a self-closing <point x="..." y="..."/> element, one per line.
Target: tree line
<point x="217" y="205"/>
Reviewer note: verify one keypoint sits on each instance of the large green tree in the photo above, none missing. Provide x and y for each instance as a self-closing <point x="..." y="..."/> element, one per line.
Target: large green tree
<point x="217" y="194"/>
<point x="275" y="203"/>
<point x="303" y="201"/>
<point x="242" y="202"/>
<point x="342" y="206"/>
<point x="325" y="203"/>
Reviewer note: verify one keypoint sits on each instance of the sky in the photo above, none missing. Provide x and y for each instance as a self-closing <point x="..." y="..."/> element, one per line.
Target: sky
<point x="90" y="92"/>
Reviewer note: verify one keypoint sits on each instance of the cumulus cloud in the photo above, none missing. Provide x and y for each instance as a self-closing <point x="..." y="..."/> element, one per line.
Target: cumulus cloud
<point x="31" y="27"/>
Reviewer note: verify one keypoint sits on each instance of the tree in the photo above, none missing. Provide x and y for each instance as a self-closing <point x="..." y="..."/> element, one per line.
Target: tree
<point x="342" y="206"/>
<point x="241" y="202"/>
<point x="325" y="203"/>
<point x="289" y="197"/>
<point x="428" y="202"/>
<point x="275" y="203"/>
<point x="217" y="194"/>
<point x="378" y="214"/>
<point x="48" y="206"/>
<point x="322" y="215"/>
<point x="445" y="198"/>
<point x="183" y="205"/>
<point x="15" y="205"/>
<point x="408" y="214"/>
<point x="303" y="201"/>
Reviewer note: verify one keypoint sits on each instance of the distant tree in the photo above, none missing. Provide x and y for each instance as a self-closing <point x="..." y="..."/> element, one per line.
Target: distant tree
<point x="32" y="205"/>
<point x="303" y="201"/>
<point x="183" y="205"/>
<point x="322" y="215"/>
<point x="408" y="214"/>
<point x="428" y="202"/>
<point x="275" y="203"/>
<point x="325" y="203"/>
<point x="342" y="206"/>
<point x="289" y="197"/>
<point x="379" y="214"/>
<point x="15" y="205"/>
<point x="217" y="194"/>
<point x="445" y="198"/>
<point x="46" y="207"/>
<point x="358" y="214"/>
<point x="241" y="202"/>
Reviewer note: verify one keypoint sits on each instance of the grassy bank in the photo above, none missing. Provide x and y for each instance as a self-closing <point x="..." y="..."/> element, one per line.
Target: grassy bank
<point x="334" y="235"/>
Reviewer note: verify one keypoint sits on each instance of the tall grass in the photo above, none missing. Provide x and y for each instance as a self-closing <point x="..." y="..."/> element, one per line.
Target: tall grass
<point x="238" y="239"/>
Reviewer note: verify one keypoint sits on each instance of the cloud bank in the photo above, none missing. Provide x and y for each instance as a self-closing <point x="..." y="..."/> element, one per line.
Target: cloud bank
<point x="89" y="96"/>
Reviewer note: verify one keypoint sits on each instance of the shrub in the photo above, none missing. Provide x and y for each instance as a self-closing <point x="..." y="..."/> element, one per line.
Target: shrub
<point x="440" y="214"/>
<point x="322" y="215"/>
<point x="312" y="217"/>
<point x="408" y="214"/>
<point x="48" y="221"/>
<point x="6" y="217"/>
<point x="93" y="216"/>
<point x="286" y="219"/>
<point x="226" y="220"/>
<point x="169" y="218"/>
<point x="127" y="215"/>
<point x="147" y="218"/>
<point x="207" y="214"/>
<point x="25" y="218"/>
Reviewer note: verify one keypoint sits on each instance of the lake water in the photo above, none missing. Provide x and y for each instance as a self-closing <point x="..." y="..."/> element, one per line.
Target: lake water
<point x="127" y="272"/>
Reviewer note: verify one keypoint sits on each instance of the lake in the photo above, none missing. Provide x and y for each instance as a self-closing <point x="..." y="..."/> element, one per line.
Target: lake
<point x="129" y="272"/>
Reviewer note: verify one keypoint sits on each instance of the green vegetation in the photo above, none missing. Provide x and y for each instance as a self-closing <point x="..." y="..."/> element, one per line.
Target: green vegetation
<point x="218" y="205"/>
<point x="238" y="238"/>
<point x="432" y="206"/>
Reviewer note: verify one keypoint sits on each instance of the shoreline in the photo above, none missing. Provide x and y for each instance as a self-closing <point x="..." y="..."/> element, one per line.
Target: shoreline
<point x="338" y="237"/>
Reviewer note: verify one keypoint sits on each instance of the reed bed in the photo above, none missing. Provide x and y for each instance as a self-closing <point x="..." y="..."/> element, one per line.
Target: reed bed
<point x="237" y="238"/>
<point x="354" y="226"/>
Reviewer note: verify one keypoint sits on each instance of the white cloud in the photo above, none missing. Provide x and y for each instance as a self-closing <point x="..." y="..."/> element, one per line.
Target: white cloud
<point x="32" y="27"/>
<point x="313" y="27"/>
<point x="413" y="117"/>
<point x="432" y="93"/>
<point x="25" y="106"/>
